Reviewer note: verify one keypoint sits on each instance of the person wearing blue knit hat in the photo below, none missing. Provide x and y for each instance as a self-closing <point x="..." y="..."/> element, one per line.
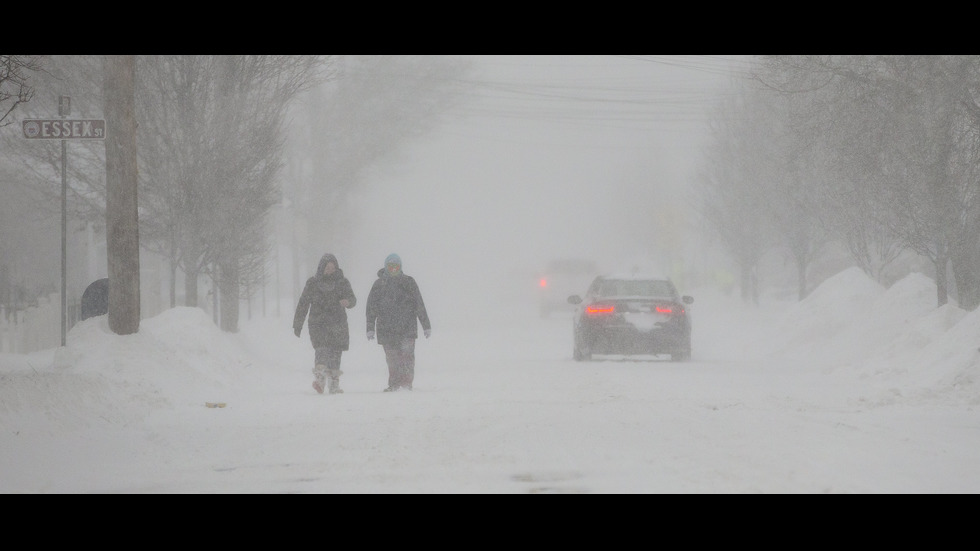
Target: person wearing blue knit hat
<point x="394" y="311"/>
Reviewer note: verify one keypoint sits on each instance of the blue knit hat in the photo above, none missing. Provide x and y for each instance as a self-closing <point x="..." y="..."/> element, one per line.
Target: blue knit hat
<point x="393" y="259"/>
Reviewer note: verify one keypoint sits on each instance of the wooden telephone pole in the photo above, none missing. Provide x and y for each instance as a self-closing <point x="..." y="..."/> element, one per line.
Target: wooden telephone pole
<point x="122" y="220"/>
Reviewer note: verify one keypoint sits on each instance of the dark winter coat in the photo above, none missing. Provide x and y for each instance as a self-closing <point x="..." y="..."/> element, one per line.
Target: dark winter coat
<point x="393" y="306"/>
<point x="321" y="299"/>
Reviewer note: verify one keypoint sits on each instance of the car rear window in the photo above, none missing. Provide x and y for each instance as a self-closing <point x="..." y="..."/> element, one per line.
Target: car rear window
<point x="636" y="288"/>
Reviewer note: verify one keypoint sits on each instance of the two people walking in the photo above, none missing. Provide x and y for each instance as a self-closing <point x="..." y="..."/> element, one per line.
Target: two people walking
<point x="394" y="310"/>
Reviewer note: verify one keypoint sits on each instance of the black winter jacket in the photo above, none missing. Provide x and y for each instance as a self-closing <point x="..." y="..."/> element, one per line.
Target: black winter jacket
<point x="393" y="306"/>
<point x="327" y="317"/>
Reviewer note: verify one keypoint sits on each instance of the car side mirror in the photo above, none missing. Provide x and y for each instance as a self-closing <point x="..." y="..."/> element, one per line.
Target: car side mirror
<point x="687" y="299"/>
<point x="574" y="299"/>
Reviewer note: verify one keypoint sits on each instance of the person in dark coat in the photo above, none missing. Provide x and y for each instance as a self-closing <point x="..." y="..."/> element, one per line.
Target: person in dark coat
<point x="326" y="298"/>
<point x="394" y="311"/>
<point x="95" y="299"/>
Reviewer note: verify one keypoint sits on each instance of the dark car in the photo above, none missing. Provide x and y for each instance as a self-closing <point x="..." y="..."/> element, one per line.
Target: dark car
<point x="560" y="278"/>
<point x="631" y="315"/>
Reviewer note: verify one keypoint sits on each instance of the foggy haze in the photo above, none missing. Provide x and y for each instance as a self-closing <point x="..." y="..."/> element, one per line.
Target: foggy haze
<point x="542" y="157"/>
<point x="552" y="156"/>
<point x="859" y="387"/>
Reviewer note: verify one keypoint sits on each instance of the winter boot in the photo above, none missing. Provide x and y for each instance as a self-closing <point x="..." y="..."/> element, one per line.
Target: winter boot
<point x="320" y="374"/>
<point x="335" y="381"/>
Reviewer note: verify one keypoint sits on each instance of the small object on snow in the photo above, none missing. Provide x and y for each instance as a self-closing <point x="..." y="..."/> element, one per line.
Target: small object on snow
<point x="215" y="404"/>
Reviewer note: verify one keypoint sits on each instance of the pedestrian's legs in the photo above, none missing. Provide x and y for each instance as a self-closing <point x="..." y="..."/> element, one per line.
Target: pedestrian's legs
<point x="407" y="363"/>
<point x="392" y="358"/>
<point x="327" y="364"/>
<point x="401" y="364"/>
<point x="333" y="369"/>
<point x="319" y="372"/>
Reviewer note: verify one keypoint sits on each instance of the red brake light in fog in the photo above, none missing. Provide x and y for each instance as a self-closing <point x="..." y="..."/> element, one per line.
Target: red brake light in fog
<point x="664" y="309"/>
<point x="595" y="309"/>
<point x="543" y="282"/>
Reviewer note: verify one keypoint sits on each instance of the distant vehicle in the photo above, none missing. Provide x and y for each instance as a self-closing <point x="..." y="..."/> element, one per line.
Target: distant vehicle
<point x="631" y="315"/>
<point x="563" y="277"/>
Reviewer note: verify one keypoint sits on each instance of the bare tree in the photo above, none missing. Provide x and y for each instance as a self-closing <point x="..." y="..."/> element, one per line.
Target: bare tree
<point x="837" y="149"/>
<point x="16" y="83"/>
<point x="215" y="155"/>
<point x="905" y="128"/>
<point x="926" y="142"/>
<point x="355" y="121"/>
<point x="791" y="179"/>
<point x="32" y="174"/>
<point x="211" y="139"/>
<point x="733" y="185"/>
<point x="38" y="162"/>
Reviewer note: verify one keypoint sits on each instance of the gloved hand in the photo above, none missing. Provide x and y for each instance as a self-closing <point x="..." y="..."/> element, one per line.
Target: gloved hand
<point x="370" y="335"/>
<point x="427" y="332"/>
<point x="297" y="330"/>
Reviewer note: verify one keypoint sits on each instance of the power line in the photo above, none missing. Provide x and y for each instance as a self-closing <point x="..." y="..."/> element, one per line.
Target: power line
<point x="600" y="91"/>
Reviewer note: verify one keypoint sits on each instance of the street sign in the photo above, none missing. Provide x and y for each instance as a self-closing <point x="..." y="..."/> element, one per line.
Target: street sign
<point x="64" y="129"/>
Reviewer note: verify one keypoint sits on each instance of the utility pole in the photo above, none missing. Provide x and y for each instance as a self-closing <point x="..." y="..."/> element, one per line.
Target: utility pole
<point x="64" y="109"/>
<point x="122" y="218"/>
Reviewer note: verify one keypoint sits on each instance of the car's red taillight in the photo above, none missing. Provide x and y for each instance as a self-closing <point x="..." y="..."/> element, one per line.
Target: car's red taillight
<point x="543" y="283"/>
<point x="599" y="309"/>
<point x="664" y="309"/>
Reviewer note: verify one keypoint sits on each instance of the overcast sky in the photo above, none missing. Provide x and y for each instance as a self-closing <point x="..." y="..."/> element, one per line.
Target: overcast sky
<point x="550" y="156"/>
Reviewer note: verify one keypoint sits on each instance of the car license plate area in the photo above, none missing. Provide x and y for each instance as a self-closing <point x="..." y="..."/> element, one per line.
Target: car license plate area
<point x="643" y="322"/>
<point x="640" y="316"/>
